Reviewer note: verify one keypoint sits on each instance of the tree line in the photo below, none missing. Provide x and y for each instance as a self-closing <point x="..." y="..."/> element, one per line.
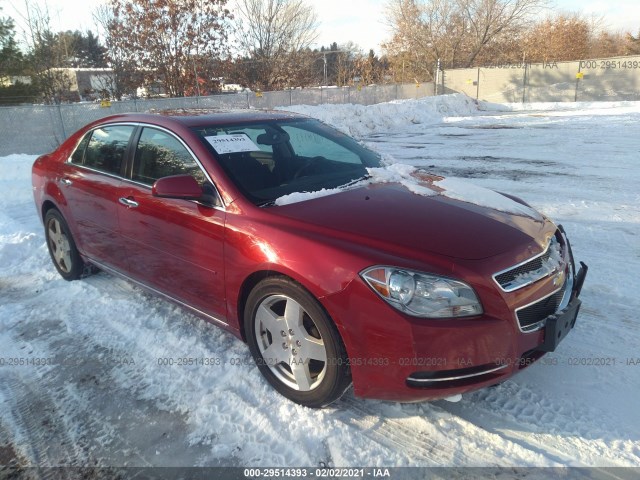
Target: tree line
<point x="191" y="47"/>
<point x="472" y="33"/>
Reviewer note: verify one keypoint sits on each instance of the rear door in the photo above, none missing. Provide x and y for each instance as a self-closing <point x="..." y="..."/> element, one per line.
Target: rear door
<point x="175" y="246"/>
<point x="91" y="181"/>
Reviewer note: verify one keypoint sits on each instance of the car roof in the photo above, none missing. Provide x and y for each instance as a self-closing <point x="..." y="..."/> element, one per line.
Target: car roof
<point x="205" y="117"/>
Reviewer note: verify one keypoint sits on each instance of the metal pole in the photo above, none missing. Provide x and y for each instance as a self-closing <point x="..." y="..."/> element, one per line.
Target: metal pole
<point x="478" y="85"/>
<point x="325" y="68"/>
<point x="575" y="98"/>
<point x="64" y="132"/>
<point x="524" y="83"/>
<point x="195" y="71"/>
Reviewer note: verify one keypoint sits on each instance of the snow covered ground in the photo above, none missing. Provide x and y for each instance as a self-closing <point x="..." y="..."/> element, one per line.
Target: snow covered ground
<point x="84" y="378"/>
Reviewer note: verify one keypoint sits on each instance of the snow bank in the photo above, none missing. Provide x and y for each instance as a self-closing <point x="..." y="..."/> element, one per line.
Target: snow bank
<point x="13" y="182"/>
<point x="559" y="108"/>
<point x="22" y="246"/>
<point x="361" y="120"/>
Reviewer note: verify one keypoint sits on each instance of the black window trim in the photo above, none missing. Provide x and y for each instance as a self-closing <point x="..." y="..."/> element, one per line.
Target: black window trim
<point x="125" y="158"/>
<point x="126" y="169"/>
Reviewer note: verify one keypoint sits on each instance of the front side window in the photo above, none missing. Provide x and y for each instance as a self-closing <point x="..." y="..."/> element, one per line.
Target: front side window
<point x="270" y="159"/>
<point x="107" y="147"/>
<point x="161" y="155"/>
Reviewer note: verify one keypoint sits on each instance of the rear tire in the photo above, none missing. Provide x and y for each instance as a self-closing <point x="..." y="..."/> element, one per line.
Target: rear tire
<point x="62" y="248"/>
<point x="295" y="344"/>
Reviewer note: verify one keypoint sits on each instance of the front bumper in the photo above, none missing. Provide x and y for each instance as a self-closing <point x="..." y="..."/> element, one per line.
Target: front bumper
<point x="400" y="358"/>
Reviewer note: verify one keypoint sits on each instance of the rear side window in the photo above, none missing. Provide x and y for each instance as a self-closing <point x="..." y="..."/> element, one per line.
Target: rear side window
<point x="78" y="156"/>
<point x="161" y="155"/>
<point x="106" y="148"/>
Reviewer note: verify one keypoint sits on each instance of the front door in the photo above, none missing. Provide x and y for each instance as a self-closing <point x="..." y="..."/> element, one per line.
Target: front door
<point x="175" y="246"/>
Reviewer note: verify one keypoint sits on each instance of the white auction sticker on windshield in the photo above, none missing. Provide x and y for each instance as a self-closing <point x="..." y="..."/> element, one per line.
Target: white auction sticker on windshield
<point x="235" y="143"/>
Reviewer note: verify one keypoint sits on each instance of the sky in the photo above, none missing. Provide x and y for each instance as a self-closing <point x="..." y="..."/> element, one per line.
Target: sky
<point x="359" y="21"/>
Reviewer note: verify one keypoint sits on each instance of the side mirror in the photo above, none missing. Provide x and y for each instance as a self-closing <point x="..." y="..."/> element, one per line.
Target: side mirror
<point x="177" y="186"/>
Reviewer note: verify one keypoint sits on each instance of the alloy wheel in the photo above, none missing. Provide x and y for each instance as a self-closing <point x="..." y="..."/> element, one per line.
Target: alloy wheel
<point x="290" y="342"/>
<point x="59" y="245"/>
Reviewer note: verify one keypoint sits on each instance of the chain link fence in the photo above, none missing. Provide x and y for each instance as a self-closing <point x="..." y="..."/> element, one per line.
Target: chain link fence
<point x="37" y="129"/>
<point x="609" y="79"/>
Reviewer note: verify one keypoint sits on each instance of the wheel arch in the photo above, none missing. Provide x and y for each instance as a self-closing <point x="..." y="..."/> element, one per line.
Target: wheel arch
<point x="255" y="278"/>
<point x="46" y="206"/>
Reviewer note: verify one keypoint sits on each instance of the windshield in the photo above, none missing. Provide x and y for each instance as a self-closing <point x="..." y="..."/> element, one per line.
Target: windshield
<point x="270" y="159"/>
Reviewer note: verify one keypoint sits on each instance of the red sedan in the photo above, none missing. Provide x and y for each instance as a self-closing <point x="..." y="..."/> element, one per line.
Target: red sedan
<point x="334" y="269"/>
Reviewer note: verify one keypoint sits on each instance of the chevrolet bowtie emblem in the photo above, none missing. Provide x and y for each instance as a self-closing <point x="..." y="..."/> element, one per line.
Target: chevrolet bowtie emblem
<point x="558" y="279"/>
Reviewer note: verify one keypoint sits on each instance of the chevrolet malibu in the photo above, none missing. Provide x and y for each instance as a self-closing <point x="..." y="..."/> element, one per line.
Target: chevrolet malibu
<point x="335" y="269"/>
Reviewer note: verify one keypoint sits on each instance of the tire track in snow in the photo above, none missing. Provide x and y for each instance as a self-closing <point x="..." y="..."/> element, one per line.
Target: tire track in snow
<point x="224" y="419"/>
<point x="560" y="441"/>
<point x="39" y="428"/>
<point x="430" y="438"/>
<point x="104" y="419"/>
<point x="409" y="433"/>
<point x="392" y="434"/>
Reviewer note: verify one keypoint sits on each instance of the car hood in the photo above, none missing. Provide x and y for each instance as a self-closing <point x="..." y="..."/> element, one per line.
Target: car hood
<point x="392" y="215"/>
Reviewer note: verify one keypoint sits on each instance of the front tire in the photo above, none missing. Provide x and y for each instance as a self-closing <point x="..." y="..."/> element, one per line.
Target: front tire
<point x="295" y="344"/>
<point x="62" y="248"/>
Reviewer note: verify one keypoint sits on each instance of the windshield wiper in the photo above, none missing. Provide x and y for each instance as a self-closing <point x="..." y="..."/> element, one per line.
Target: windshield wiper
<point x="272" y="202"/>
<point x="366" y="176"/>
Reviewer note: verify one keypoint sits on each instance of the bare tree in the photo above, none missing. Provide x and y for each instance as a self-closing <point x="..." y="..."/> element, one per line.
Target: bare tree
<point x="272" y="35"/>
<point x="48" y="56"/>
<point x="491" y="19"/>
<point x="559" y="38"/>
<point x="169" y="41"/>
<point x="632" y="44"/>
<point x="346" y="72"/>
<point x="454" y="31"/>
<point x="124" y="79"/>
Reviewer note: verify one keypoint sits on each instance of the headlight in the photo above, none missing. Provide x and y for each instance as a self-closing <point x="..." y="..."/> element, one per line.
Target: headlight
<point x="421" y="294"/>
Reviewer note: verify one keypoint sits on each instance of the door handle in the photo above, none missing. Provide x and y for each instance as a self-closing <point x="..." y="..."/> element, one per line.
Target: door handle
<point x="65" y="181"/>
<point x="128" y="202"/>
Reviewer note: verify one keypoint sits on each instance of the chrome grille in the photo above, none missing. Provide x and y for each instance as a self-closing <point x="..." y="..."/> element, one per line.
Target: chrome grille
<point x="511" y="279"/>
<point x="531" y="317"/>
